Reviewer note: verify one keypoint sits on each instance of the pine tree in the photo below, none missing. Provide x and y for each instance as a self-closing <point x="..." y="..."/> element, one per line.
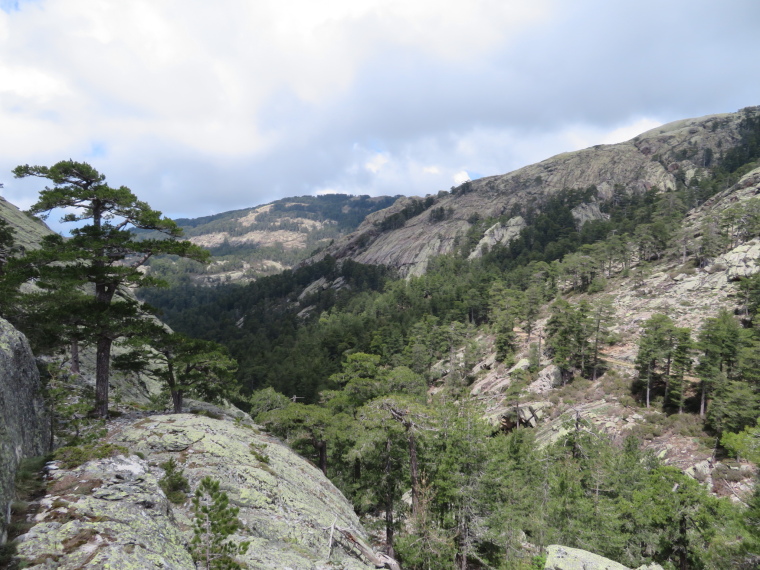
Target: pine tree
<point x="186" y="365"/>
<point x="681" y="364"/>
<point x="655" y="349"/>
<point x="103" y="253"/>
<point x="215" y="520"/>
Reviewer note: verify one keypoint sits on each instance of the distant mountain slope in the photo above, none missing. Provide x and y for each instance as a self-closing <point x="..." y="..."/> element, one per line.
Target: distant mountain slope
<point x="267" y="239"/>
<point x="412" y="231"/>
<point x="29" y="230"/>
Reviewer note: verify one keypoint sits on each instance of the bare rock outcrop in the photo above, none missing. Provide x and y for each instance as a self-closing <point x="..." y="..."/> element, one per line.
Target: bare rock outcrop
<point x="28" y="230"/>
<point x="112" y="512"/>
<point x="566" y="558"/>
<point x="499" y="234"/>
<point x="25" y="426"/>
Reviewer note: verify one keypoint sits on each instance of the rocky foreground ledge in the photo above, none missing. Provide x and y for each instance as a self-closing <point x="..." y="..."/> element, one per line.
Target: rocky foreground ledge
<point x="112" y="513"/>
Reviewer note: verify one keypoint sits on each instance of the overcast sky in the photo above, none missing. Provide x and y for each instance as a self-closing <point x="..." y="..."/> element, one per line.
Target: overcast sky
<point x="202" y="107"/>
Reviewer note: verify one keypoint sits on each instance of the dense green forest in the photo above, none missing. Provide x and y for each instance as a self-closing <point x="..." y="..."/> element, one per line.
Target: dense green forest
<point x="344" y="373"/>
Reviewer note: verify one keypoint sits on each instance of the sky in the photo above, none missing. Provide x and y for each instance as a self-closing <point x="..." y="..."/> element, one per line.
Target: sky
<point x="203" y="107"/>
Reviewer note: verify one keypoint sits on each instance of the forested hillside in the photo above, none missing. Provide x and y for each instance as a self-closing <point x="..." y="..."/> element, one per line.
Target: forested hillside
<point x="571" y="364"/>
<point x="267" y="239"/>
<point x="636" y="301"/>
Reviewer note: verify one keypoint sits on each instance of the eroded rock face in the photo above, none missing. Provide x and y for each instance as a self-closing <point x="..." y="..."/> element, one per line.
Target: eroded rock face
<point x="28" y="231"/>
<point x="118" y="514"/>
<point x="499" y="233"/>
<point x="24" y="428"/>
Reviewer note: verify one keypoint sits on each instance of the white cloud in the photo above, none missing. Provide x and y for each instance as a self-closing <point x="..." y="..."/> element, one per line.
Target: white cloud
<point x="377" y="162"/>
<point x="584" y="137"/>
<point x="461" y="177"/>
<point x="204" y="106"/>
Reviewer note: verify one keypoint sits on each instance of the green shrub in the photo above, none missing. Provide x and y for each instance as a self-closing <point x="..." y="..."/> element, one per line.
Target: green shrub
<point x="174" y="483"/>
<point x="207" y="413"/>
<point x="75" y="455"/>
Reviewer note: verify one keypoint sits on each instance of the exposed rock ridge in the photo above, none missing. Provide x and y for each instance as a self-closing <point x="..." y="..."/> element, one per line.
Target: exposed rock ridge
<point x="24" y="429"/>
<point x="655" y="158"/>
<point x="113" y="512"/>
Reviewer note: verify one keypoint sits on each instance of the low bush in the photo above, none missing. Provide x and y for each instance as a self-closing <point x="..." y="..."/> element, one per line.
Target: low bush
<point x="174" y="483"/>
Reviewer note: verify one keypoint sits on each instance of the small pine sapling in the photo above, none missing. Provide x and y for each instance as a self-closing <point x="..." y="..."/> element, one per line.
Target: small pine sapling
<point x="174" y="483"/>
<point x="215" y="520"/>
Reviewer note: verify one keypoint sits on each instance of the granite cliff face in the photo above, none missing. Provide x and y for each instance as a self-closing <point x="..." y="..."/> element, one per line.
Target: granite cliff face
<point x="25" y="427"/>
<point x="659" y="157"/>
<point x="111" y="513"/>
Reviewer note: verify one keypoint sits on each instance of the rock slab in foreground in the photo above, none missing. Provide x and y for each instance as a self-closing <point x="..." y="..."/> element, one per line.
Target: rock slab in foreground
<point x="24" y="428"/>
<point x="108" y="513"/>
<point x="112" y="513"/>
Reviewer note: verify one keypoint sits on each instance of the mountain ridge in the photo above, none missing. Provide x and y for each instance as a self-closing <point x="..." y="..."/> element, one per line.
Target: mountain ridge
<point x="661" y="157"/>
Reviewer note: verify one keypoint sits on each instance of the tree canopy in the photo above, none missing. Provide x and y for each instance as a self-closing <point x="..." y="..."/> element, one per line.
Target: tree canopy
<point x="102" y="253"/>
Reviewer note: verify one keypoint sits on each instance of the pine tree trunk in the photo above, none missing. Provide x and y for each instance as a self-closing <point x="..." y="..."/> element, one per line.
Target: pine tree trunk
<point x="102" y="373"/>
<point x="177" y="400"/>
<point x="322" y="447"/>
<point x="413" y="471"/>
<point x="74" y="357"/>
<point x="703" y="400"/>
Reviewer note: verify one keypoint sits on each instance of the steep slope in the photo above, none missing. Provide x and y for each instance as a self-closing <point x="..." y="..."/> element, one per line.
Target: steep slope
<point x="657" y="158"/>
<point x="29" y="230"/>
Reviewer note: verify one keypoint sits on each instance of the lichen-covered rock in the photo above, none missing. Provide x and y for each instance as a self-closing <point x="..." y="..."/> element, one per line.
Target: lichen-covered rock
<point x="24" y="429"/>
<point x="565" y="558"/>
<point x="108" y="513"/>
<point x="287" y="505"/>
<point x="112" y="513"/>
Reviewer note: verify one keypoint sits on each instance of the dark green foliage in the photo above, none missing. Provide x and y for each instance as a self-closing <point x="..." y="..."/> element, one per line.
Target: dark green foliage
<point x="103" y="254"/>
<point x="215" y="520"/>
<point x="414" y="208"/>
<point x="568" y="331"/>
<point x="186" y="365"/>
<point x="174" y="483"/>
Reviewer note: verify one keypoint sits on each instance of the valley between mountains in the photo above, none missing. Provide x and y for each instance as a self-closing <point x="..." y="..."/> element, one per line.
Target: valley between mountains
<point x="512" y="373"/>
